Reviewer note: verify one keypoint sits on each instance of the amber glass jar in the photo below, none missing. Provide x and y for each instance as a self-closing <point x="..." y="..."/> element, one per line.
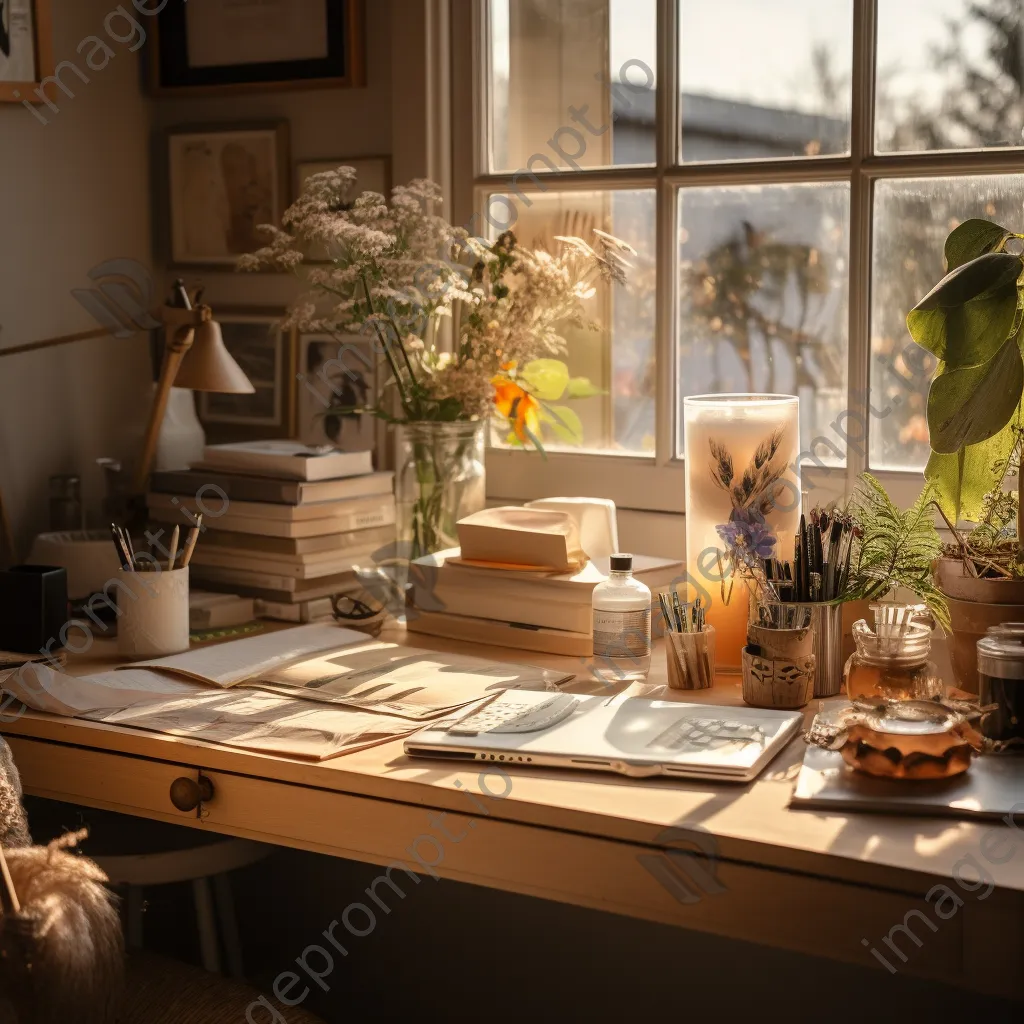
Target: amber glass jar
<point x="891" y="660"/>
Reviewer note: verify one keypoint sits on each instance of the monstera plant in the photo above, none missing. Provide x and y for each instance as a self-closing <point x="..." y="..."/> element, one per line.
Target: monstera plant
<point x="972" y="321"/>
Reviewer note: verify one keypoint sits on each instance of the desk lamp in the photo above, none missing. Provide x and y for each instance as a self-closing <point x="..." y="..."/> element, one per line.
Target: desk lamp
<point x="195" y="357"/>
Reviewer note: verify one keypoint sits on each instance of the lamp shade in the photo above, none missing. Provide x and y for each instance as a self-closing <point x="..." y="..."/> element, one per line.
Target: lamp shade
<point x="209" y="366"/>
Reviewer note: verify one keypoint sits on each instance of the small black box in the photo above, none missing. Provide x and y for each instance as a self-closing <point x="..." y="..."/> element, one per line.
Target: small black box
<point x="33" y="607"/>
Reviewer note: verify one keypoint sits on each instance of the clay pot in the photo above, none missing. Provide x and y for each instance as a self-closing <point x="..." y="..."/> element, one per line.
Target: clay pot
<point x="974" y="606"/>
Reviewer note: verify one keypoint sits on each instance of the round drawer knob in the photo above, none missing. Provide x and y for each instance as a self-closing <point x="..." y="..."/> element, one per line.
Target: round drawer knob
<point x="187" y="794"/>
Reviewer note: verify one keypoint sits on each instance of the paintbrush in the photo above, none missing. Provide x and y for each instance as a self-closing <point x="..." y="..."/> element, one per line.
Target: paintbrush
<point x="174" y="547"/>
<point x="119" y="547"/>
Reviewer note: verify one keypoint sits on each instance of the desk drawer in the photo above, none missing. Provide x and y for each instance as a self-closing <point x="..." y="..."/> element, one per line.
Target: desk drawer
<point x="115" y="782"/>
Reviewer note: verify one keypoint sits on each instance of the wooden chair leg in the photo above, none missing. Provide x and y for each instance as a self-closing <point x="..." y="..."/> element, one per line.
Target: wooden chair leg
<point x="206" y="924"/>
<point x="228" y="925"/>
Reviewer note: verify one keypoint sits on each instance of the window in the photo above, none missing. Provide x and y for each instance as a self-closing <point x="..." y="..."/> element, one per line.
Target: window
<point x="787" y="172"/>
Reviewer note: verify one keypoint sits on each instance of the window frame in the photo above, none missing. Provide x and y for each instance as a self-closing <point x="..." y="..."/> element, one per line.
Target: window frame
<point x="655" y="482"/>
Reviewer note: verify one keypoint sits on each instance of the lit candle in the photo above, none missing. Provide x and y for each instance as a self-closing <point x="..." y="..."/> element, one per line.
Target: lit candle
<point x="742" y="496"/>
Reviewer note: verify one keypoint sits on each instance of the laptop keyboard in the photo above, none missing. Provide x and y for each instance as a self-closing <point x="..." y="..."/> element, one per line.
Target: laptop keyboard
<point x="512" y="717"/>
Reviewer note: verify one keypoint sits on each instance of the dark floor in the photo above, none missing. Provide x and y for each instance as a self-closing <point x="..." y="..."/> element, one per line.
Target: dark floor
<point x="448" y="950"/>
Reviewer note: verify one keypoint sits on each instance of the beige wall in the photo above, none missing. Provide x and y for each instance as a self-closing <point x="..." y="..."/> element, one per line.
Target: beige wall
<point x="74" y="193"/>
<point x="88" y="187"/>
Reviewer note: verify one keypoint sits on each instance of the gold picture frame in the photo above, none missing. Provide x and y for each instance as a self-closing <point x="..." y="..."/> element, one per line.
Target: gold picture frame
<point x="13" y="46"/>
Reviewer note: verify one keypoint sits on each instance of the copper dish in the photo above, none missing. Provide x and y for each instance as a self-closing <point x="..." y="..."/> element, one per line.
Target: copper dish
<point x="913" y="739"/>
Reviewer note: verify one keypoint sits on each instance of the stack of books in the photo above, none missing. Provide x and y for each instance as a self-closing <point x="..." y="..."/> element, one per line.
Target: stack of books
<point x="533" y="610"/>
<point x="283" y="523"/>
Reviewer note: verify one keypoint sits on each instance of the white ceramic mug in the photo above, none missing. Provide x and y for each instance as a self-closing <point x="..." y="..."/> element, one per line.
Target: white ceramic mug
<point x="152" y="613"/>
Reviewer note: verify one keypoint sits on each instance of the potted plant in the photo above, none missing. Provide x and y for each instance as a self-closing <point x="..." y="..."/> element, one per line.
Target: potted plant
<point x="467" y="329"/>
<point x="971" y="321"/>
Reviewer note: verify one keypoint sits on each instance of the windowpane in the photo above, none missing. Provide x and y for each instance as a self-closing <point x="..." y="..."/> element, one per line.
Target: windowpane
<point x="572" y="83"/>
<point x="762" y="80"/>
<point x="949" y="74"/>
<point x="619" y="358"/>
<point x="912" y="219"/>
<point x="764" y="278"/>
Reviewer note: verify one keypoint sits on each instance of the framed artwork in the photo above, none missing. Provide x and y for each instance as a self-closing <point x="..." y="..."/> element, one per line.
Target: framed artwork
<point x="336" y="373"/>
<point x="258" y="45"/>
<point x="26" y="49"/>
<point x="224" y="182"/>
<point x="266" y="353"/>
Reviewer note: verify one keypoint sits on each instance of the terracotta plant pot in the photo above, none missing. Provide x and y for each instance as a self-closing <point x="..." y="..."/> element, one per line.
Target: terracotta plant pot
<point x="974" y="606"/>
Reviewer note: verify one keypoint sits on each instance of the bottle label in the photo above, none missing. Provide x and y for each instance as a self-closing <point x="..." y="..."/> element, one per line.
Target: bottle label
<point x="622" y="634"/>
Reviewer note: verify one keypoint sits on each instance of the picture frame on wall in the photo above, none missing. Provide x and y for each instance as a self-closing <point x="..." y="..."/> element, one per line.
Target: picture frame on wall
<point x="267" y="354"/>
<point x="225" y="46"/>
<point x="223" y="182"/>
<point x="26" y="49"/>
<point x="336" y="372"/>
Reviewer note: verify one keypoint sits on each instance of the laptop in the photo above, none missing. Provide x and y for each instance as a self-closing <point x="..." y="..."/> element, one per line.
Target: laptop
<point x="632" y="736"/>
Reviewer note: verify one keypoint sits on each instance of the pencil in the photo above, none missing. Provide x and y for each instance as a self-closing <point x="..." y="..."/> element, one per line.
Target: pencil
<point x="190" y="545"/>
<point x="174" y="547"/>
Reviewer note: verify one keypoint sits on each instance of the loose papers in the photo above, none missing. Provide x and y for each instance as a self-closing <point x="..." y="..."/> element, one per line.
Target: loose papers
<point x="264" y="722"/>
<point x="403" y="681"/>
<point x="315" y="692"/>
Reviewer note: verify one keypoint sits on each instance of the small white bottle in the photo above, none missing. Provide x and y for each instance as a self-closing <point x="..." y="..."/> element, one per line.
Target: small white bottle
<point x="622" y="625"/>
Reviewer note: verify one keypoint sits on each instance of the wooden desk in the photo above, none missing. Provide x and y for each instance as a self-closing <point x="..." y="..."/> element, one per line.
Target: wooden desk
<point x="810" y="882"/>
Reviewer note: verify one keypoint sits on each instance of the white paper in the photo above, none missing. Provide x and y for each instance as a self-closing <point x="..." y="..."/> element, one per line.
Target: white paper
<point x="43" y="689"/>
<point x="231" y="663"/>
<point x="261" y="721"/>
<point x="224" y="33"/>
<point x="17" y="42"/>
<point x="398" y="680"/>
<point x="247" y="719"/>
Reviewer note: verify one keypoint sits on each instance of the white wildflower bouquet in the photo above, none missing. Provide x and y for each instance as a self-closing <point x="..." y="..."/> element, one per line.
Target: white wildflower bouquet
<point x="396" y="271"/>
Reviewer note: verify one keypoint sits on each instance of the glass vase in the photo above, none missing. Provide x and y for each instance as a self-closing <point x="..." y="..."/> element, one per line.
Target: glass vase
<point x="440" y="480"/>
<point x="742" y="501"/>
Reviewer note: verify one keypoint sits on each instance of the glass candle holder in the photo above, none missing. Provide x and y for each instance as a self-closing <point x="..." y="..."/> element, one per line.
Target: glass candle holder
<point x="742" y="495"/>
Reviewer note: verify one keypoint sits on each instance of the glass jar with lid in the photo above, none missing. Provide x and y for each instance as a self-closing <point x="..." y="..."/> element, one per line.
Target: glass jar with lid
<point x="1001" y="679"/>
<point x="892" y="658"/>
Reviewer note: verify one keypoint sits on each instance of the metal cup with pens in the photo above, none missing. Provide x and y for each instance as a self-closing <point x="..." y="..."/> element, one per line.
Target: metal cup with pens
<point x="826" y="624"/>
<point x="808" y="592"/>
<point x="689" y="644"/>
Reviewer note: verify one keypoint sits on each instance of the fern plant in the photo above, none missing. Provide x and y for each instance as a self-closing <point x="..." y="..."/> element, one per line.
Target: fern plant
<point x="896" y="547"/>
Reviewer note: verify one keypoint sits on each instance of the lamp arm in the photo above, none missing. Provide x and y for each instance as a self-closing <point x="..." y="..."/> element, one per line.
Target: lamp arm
<point x="65" y="339"/>
<point x="180" y="332"/>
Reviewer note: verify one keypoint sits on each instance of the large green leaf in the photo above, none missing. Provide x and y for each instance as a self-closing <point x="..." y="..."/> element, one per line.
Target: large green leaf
<point x="565" y="424"/>
<point x="972" y="404"/>
<point x="963" y="479"/>
<point x="546" y="379"/>
<point x="967" y="316"/>
<point x="972" y="239"/>
<point x="581" y="387"/>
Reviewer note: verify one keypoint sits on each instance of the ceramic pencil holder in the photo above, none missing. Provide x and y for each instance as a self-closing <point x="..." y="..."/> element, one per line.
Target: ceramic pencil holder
<point x="826" y="624"/>
<point x="691" y="659"/>
<point x="778" y="667"/>
<point x="152" y="613"/>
